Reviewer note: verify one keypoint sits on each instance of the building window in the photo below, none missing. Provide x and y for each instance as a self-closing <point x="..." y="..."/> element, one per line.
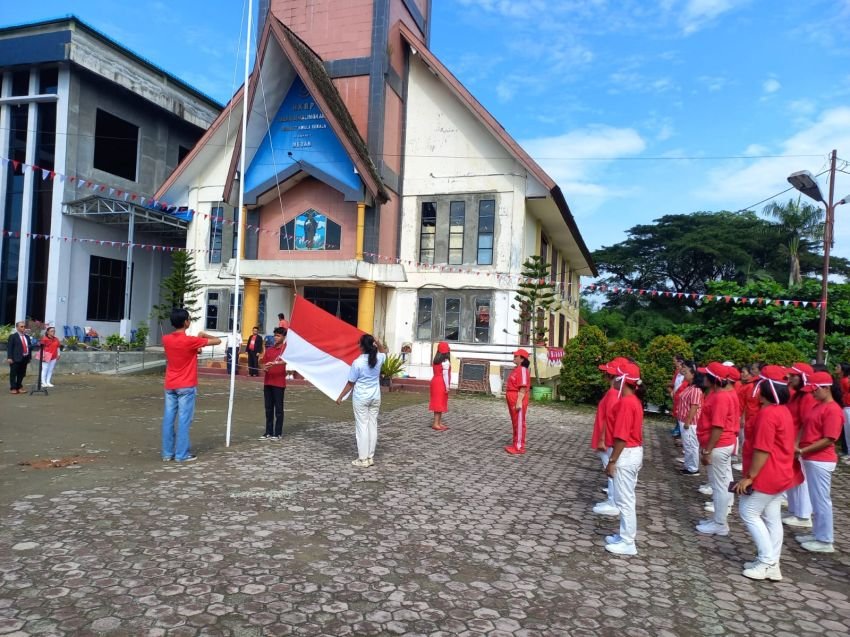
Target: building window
<point x="544" y="249"/>
<point x="20" y="83"/>
<point x="311" y="230"/>
<point x="423" y="319"/>
<point x="428" y="232"/>
<point x="486" y="228"/>
<point x="457" y="224"/>
<point x="563" y="290"/>
<point x="452" y="320"/>
<point x="212" y="311"/>
<point x="107" y="278"/>
<point x="48" y="81"/>
<point x="482" y="320"/>
<point x="562" y="330"/>
<point x="216" y="226"/>
<point x="116" y="145"/>
<point x="454" y="315"/>
<point x="340" y="302"/>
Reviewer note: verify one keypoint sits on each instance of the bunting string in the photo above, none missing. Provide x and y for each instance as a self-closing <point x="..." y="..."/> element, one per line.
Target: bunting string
<point x="503" y="278"/>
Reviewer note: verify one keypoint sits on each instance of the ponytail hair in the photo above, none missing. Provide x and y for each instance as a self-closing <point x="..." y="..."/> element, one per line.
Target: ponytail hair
<point x="368" y="347"/>
<point x="440" y="357"/>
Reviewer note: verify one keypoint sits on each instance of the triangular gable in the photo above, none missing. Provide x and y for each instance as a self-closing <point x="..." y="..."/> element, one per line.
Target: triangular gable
<point x="300" y="139"/>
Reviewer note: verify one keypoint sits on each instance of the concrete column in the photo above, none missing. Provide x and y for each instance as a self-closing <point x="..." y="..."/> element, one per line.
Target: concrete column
<point x="26" y="207"/>
<point x="4" y="148"/>
<point x="361" y="231"/>
<point x="366" y="307"/>
<point x="250" y="307"/>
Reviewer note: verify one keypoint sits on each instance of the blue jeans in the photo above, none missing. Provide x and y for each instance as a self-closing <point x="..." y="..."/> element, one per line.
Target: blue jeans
<point x="179" y="403"/>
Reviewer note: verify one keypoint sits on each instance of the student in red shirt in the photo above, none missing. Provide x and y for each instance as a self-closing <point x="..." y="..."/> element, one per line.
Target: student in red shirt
<point x="181" y="385"/>
<point x="516" y="395"/>
<point x="800" y="405"/>
<point x="688" y="414"/>
<point x="626" y="457"/>
<point x="600" y="426"/>
<point x="769" y="469"/>
<point x="842" y="370"/>
<point x="817" y="449"/>
<point x="717" y="431"/>
<point x="274" y="385"/>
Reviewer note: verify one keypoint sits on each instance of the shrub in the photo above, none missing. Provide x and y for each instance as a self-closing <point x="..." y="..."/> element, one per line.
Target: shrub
<point x="777" y="353"/>
<point x="6" y="332"/>
<point x="625" y="348"/>
<point x="114" y="341"/>
<point x="728" y="348"/>
<point x="141" y="339"/>
<point x="657" y="366"/>
<point x="580" y="380"/>
<point x="656" y="378"/>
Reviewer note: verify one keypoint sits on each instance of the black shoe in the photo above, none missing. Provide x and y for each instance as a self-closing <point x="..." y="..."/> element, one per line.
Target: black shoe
<point x="689" y="473"/>
<point x="190" y="458"/>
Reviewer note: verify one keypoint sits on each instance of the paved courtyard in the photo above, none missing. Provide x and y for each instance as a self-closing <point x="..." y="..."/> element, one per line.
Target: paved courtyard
<point x="445" y="535"/>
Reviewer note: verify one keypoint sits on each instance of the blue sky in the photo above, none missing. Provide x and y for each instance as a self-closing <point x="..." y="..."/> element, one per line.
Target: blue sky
<point x="638" y="108"/>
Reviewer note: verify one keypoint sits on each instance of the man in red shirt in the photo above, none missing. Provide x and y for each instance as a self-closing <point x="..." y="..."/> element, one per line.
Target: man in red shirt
<point x="181" y="385"/>
<point x="274" y="385"/>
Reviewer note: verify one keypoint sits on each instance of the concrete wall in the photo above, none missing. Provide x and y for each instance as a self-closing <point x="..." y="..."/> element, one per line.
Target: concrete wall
<point x="99" y="363"/>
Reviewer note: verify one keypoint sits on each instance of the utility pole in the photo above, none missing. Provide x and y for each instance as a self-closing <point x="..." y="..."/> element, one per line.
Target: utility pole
<point x="827" y="245"/>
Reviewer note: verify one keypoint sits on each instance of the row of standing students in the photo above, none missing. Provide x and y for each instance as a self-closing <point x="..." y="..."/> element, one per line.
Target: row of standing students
<point x="789" y="438"/>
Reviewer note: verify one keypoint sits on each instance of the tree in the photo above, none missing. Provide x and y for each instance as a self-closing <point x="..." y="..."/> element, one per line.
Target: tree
<point x="179" y="289"/>
<point x="536" y="298"/>
<point x="800" y="226"/>
<point x="580" y="380"/>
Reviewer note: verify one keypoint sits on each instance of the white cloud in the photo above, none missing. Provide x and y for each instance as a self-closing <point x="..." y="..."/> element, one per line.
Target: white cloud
<point x="713" y="83"/>
<point x="699" y="13"/>
<point x="771" y="85"/>
<point x="578" y="161"/>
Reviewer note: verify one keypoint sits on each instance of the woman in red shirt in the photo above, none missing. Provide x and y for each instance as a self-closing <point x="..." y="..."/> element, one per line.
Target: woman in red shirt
<point x="843" y="372"/>
<point x="516" y="395"/>
<point x="800" y="404"/>
<point x="817" y="449"/>
<point x="770" y="468"/>
<point x="626" y="457"/>
<point x="598" y="440"/>
<point x="689" y="409"/>
<point x="440" y="383"/>
<point x="49" y="356"/>
<point x="717" y="431"/>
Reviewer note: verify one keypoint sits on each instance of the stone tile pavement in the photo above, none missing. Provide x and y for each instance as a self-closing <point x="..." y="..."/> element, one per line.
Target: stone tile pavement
<point x="445" y="535"/>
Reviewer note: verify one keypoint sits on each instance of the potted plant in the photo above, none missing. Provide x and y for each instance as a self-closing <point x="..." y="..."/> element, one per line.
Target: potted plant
<point x="392" y="367"/>
<point x="71" y="343"/>
<point x="535" y="298"/>
<point x="115" y="342"/>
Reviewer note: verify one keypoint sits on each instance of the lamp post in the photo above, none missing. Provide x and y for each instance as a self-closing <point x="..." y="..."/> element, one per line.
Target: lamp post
<point x="805" y="182"/>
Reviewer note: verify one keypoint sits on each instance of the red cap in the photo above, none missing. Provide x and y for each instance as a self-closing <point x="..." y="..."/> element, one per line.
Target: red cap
<point x="721" y="371"/>
<point x="818" y="379"/>
<point x="800" y="369"/>
<point x="629" y="372"/>
<point x="611" y="366"/>
<point x="775" y="373"/>
<point x="443" y="347"/>
<point x="523" y="353"/>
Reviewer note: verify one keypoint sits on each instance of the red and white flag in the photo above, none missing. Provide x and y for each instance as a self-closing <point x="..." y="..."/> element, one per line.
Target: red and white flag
<point x="321" y="347"/>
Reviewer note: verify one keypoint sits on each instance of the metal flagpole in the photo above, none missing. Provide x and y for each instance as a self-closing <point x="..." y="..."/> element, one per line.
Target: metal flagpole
<point x="234" y="352"/>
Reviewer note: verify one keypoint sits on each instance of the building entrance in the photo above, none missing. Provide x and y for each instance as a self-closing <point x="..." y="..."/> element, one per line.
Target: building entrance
<point x="341" y="302"/>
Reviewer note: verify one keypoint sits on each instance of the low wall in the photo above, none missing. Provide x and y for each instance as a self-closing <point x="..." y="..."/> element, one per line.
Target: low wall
<point x="103" y="362"/>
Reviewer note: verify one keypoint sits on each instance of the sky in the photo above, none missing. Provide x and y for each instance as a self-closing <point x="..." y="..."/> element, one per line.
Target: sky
<point x="637" y="108"/>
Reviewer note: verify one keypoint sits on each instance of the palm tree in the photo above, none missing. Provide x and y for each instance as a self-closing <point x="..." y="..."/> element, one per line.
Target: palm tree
<point x="801" y="227"/>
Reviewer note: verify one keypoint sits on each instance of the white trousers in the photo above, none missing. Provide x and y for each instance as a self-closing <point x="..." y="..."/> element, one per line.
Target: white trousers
<point x="719" y="477"/>
<point x="690" y="446"/>
<point x="761" y="513"/>
<point x="47" y="371"/>
<point x="819" y="480"/>
<point x="366" y="426"/>
<point x="625" y="479"/>
<point x="847" y="428"/>
<point x="799" y="502"/>
<point x="603" y="456"/>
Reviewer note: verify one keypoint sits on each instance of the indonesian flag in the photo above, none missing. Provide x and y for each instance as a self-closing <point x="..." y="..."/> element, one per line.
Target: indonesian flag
<point x="321" y="347"/>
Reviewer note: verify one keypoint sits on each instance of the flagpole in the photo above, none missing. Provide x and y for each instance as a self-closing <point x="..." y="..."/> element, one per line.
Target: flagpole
<point x="234" y="355"/>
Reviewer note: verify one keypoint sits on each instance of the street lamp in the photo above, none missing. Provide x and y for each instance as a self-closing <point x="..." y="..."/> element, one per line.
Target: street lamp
<point x="805" y="182"/>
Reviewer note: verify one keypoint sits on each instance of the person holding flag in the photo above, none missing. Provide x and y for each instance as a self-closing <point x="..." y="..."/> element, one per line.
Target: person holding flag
<point x="274" y="385"/>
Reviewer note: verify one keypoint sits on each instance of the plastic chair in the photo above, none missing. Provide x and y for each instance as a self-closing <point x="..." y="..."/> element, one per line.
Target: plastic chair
<point x="67" y="330"/>
<point x="81" y="335"/>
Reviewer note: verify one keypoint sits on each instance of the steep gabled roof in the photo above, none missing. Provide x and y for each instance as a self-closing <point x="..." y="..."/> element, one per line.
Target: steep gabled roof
<point x="310" y="68"/>
<point x="499" y="132"/>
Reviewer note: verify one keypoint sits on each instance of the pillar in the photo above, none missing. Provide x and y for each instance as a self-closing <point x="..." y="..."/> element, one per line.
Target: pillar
<point x="250" y="307"/>
<point x="361" y="230"/>
<point x="366" y="307"/>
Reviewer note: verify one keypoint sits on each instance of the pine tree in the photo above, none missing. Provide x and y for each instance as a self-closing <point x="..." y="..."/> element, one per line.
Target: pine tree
<point x="536" y="298"/>
<point x="179" y="289"/>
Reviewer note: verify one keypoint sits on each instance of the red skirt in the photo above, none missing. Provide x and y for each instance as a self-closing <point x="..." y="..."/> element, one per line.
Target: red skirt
<point x="439" y="395"/>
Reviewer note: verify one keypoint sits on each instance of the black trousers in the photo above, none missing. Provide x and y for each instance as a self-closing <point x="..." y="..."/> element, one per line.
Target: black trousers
<point x="253" y="363"/>
<point x="17" y="371"/>
<point x="273" y="397"/>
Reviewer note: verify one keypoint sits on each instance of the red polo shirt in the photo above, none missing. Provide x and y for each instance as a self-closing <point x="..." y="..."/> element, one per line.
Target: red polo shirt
<point x="181" y="356"/>
<point x="720" y="409"/>
<point x="276" y="374"/>
<point x="826" y="420"/>
<point x="773" y="432"/>
<point x="602" y="413"/>
<point x="628" y="421"/>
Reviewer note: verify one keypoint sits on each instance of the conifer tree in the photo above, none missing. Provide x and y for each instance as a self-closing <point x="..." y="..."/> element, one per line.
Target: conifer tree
<point x="179" y="289"/>
<point x="536" y="298"/>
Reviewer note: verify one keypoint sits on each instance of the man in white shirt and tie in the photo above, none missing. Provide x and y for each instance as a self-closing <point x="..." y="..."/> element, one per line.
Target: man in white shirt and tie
<point x="18" y="355"/>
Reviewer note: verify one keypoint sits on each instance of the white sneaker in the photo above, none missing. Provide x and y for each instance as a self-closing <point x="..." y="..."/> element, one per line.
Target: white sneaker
<point x="713" y="528"/>
<point x="371" y="460"/>
<point x="762" y="571"/>
<point x="738" y="466"/>
<point x="706" y="489"/>
<point x="708" y="507"/>
<point x="818" y="547"/>
<point x="613" y="539"/>
<point x="808" y="537"/>
<point x="680" y="460"/>
<point x="605" y="490"/>
<point x="360" y="463"/>
<point x="621" y="548"/>
<point x="793" y="520"/>
<point x="606" y="508"/>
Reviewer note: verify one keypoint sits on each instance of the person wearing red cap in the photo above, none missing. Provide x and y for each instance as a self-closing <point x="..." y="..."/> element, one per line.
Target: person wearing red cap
<point x="516" y="394"/>
<point x="821" y="429"/>
<point x="599" y="440"/>
<point x="440" y="383"/>
<point x="689" y="410"/>
<point x="769" y="468"/>
<point x="801" y="404"/>
<point x="626" y="457"/>
<point x="717" y="431"/>
<point x="842" y="370"/>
